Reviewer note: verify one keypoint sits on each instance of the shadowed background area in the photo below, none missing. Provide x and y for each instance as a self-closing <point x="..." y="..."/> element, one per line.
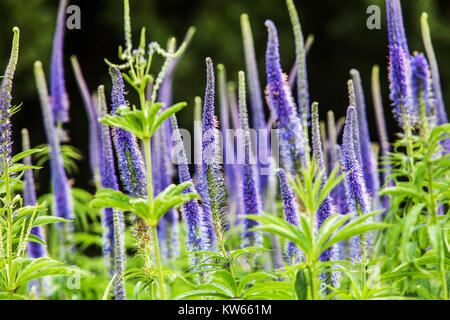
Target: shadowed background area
<point x="342" y="42"/>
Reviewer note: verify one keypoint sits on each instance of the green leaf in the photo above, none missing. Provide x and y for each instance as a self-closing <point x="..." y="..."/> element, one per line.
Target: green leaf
<point x="24" y="154"/>
<point x="301" y="285"/>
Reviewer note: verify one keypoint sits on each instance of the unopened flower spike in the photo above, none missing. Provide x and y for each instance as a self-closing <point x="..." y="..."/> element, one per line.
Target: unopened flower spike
<point x="113" y="220"/>
<point x="441" y="114"/>
<point x="250" y="192"/>
<point x="300" y="53"/>
<point x="130" y="160"/>
<point x="382" y="134"/>
<point x="95" y="135"/>
<point x="63" y="203"/>
<point x="292" y="140"/>
<point x="325" y="208"/>
<point x="227" y="148"/>
<point x="5" y="104"/>
<point x="368" y="160"/>
<point x="256" y="102"/>
<point x="59" y="98"/>
<point x="290" y="212"/>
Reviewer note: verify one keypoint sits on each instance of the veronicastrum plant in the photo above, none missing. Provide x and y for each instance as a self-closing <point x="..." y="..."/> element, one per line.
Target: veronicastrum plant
<point x="17" y="221"/>
<point x="142" y="123"/>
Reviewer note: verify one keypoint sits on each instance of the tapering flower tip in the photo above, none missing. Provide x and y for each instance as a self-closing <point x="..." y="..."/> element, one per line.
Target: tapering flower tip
<point x="5" y="104"/>
<point x="208" y="119"/>
<point x="250" y="192"/>
<point x="368" y="161"/>
<point x="63" y="204"/>
<point x="129" y="155"/>
<point x="396" y="29"/>
<point x="289" y="209"/>
<point x="356" y="193"/>
<point x="421" y="83"/>
<point x="35" y="250"/>
<point x="107" y="175"/>
<point x="441" y="114"/>
<point x="300" y="52"/>
<point x="191" y="210"/>
<point x="324" y="210"/>
<point x="59" y="98"/>
<point x="95" y="130"/>
<point x="292" y="140"/>
<point x="256" y="101"/>
<point x="316" y="138"/>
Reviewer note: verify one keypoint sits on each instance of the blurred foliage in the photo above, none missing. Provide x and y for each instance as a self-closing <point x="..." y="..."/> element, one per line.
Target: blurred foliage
<point x="342" y="42"/>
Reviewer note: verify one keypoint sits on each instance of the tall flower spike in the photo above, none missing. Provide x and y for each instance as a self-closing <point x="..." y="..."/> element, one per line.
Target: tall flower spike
<point x="227" y="147"/>
<point x="95" y="131"/>
<point x="399" y="67"/>
<point x="35" y="250"/>
<point x="159" y="179"/>
<point x="290" y="212"/>
<point x="113" y="220"/>
<point x="63" y="203"/>
<point x="231" y="89"/>
<point x="292" y="140"/>
<point x="195" y="240"/>
<point x="368" y="164"/>
<point x="256" y="102"/>
<point x="59" y="99"/>
<point x="441" y="115"/>
<point x="250" y="193"/>
<point x="271" y="207"/>
<point x="5" y="104"/>
<point x="382" y="133"/>
<point x="131" y="163"/>
<point x="325" y="209"/>
<point x="211" y="182"/>
<point x="356" y="193"/>
<point x="302" y="81"/>
<point x="422" y="91"/>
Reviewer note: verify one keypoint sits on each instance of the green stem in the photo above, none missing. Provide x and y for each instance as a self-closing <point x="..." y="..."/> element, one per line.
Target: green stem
<point x="312" y="276"/>
<point x="10" y="228"/>
<point x="159" y="263"/>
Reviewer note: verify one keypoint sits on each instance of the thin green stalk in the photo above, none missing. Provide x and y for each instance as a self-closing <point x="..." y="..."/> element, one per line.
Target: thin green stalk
<point x="9" y="230"/>
<point x="159" y="264"/>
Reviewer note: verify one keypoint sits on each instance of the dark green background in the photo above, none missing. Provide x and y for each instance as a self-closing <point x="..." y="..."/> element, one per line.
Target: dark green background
<point x="342" y="42"/>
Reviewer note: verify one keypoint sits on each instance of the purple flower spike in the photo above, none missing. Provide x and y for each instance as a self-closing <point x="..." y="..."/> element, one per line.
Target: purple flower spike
<point x="59" y="99"/>
<point x="368" y="161"/>
<point x="356" y="193"/>
<point x="324" y="210"/>
<point x="210" y="176"/>
<point x="131" y="163"/>
<point x="95" y="130"/>
<point x="421" y="83"/>
<point x="162" y="179"/>
<point x="35" y="250"/>
<point x="191" y="210"/>
<point x="63" y="205"/>
<point x="250" y="193"/>
<point x="113" y="243"/>
<point x="292" y="141"/>
<point x="290" y="212"/>
<point x="399" y="66"/>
